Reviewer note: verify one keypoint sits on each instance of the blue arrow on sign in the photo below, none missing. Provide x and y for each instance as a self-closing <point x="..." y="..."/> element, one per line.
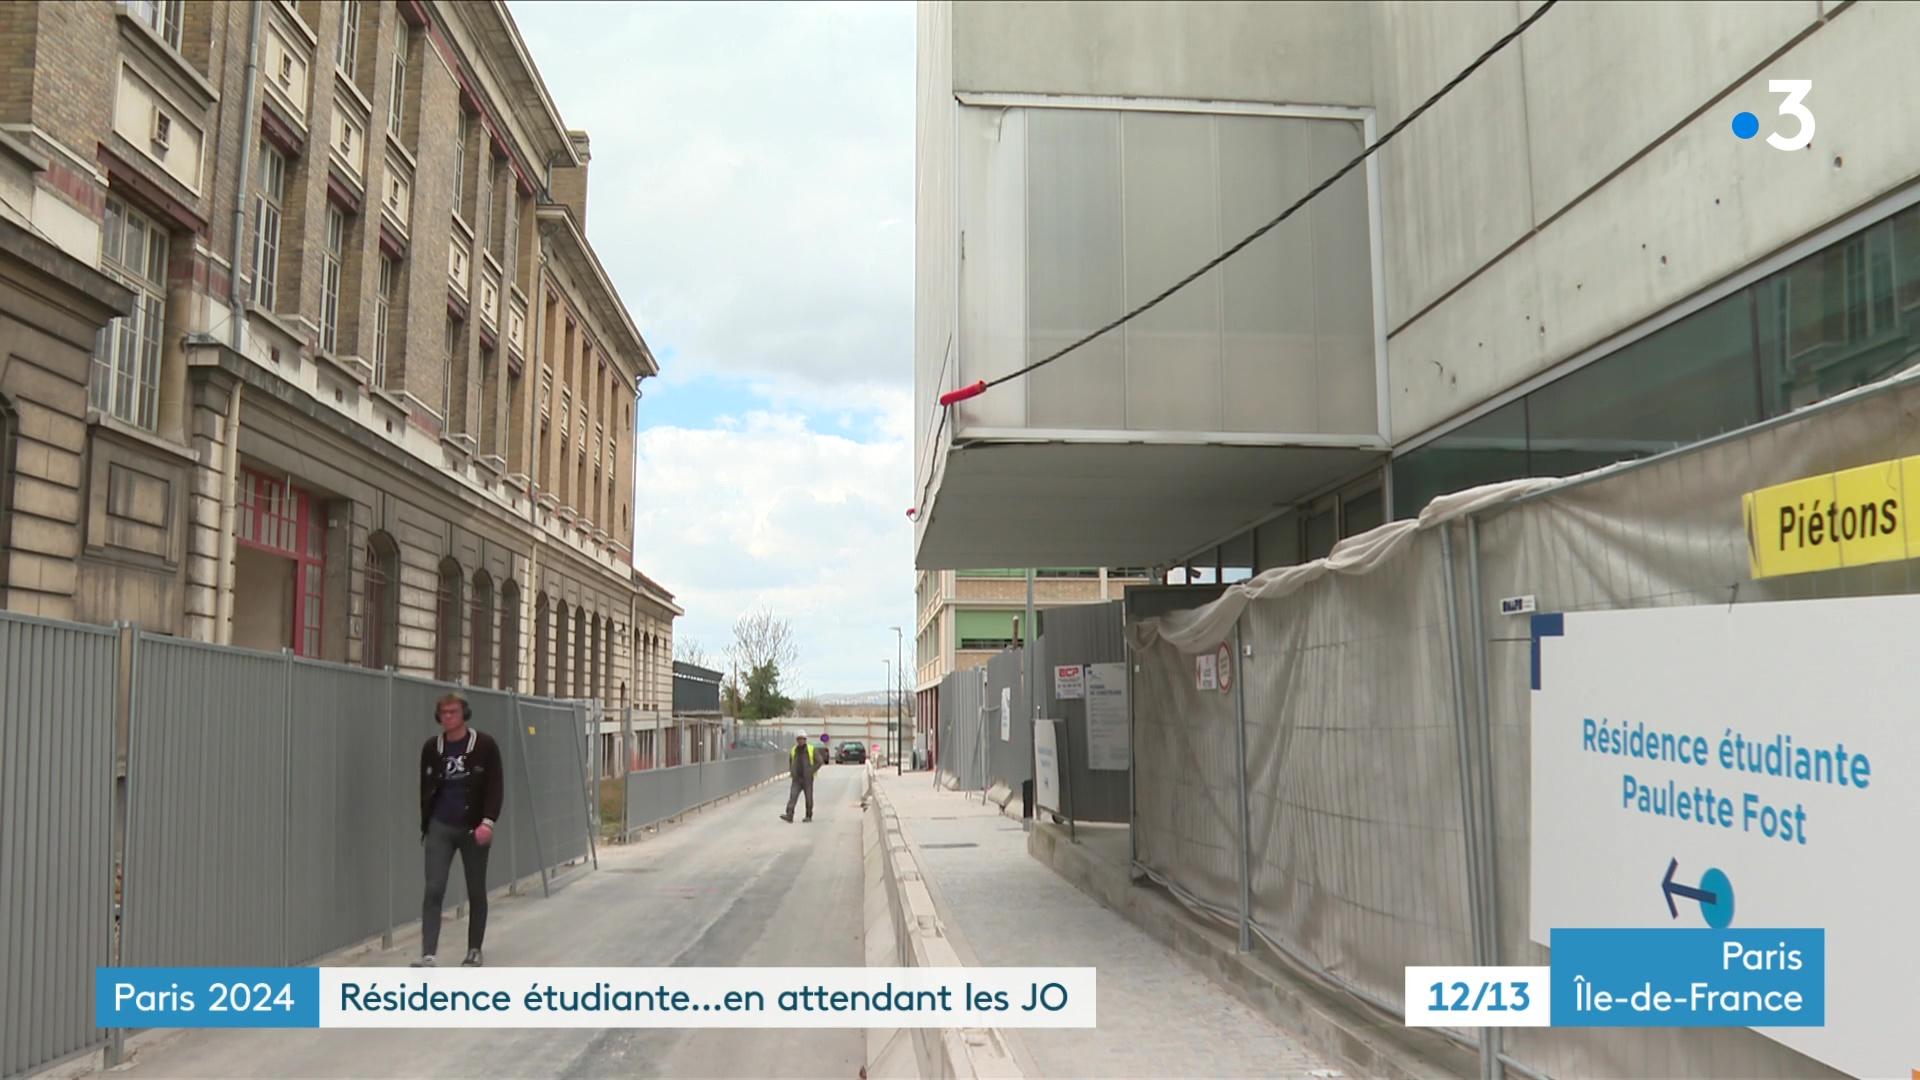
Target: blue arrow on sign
<point x="1671" y="890"/>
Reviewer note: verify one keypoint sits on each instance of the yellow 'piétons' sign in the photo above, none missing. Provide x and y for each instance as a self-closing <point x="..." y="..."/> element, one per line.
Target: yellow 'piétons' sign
<point x="1854" y="517"/>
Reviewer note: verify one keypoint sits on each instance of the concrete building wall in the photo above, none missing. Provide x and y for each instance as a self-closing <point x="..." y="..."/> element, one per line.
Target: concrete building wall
<point x="1577" y="191"/>
<point x="51" y="306"/>
<point x="1239" y="51"/>
<point x="1572" y="220"/>
<point x="936" y="246"/>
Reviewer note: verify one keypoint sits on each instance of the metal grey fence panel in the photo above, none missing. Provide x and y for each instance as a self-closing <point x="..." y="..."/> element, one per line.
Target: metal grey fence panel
<point x="962" y="729"/>
<point x="515" y="854"/>
<point x="1009" y="740"/>
<point x="57" y="703"/>
<point x="552" y="746"/>
<point x="657" y="795"/>
<point x="208" y="820"/>
<point x="1083" y="634"/>
<point x="337" y="808"/>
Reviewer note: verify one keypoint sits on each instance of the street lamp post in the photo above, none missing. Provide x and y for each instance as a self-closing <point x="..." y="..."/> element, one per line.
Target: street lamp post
<point x="900" y="702"/>
<point x="889" y="665"/>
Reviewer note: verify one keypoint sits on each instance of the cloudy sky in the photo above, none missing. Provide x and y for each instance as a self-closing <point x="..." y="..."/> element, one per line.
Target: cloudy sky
<point x="751" y="194"/>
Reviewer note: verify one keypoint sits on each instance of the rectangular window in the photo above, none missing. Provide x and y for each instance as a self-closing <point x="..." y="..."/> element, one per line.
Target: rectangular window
<point x="395" y="104"/>
<point x="446" y="391"/>
<point x="460" y="164"/>
<point x="266" y="225"/>
<point x="126" y="356"/>
<point x="1362" y="513"/>
<point x="1319" y="533"/>
<point x="164" y="16"/>
<point x="344" y="52"/>
<point x="330" y="279"/>
<point x="382" y="306"/>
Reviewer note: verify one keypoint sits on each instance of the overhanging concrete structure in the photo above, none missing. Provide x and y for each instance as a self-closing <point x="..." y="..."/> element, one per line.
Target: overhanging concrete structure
<point x="1069" y="504"/>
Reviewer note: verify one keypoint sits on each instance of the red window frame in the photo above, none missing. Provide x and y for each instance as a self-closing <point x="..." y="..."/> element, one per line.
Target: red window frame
<point x="279" y="518"/>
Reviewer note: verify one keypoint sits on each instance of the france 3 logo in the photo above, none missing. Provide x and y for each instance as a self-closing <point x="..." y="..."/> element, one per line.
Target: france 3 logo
<point x="1746" y="125"/>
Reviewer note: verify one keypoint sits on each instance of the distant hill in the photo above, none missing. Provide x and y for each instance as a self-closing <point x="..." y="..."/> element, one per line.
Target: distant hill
<point x="869" y="697"/>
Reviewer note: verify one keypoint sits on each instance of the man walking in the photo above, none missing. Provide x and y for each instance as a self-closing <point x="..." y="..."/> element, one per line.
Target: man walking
<point x="801" y="765"/>
<point x="461" y="787"/>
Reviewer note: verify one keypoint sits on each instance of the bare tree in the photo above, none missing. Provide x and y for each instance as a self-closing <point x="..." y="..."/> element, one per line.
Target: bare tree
<point x="689" y="651"/>
<point x="760" y="637"/>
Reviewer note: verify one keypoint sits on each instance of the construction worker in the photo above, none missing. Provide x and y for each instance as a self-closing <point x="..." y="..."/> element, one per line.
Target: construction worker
<point x="801" y="765"/>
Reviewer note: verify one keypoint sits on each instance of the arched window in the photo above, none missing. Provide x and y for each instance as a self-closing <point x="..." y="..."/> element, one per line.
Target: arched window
<point x="509" y="636"/>
<point x="446" y="661"/>
<point x="382" y="609"/>
<point x="578" y="681"/>
<point x="482" y="628"/>
<point x="592" y="689"/>
<point x="542" y="634"/>
<point x="562" y="670"/>
<point x="646" y="687"/>
<point x="606" y="660"/>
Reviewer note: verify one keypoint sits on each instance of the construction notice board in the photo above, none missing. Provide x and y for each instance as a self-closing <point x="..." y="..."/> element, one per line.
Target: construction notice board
<point x="1107" y="737"/>
<point x="1745" y="766"/>
<point x="1046" y="766"/>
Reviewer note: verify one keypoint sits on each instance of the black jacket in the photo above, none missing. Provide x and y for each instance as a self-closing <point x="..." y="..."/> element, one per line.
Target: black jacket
<point x="489" y="779"/>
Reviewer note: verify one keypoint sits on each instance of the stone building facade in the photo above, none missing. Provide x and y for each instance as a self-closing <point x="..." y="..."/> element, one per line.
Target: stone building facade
<point x="370" y="395"/>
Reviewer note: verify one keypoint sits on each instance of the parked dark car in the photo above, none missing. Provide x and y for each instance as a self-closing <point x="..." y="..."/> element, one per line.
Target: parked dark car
<point x="851" y="753"/>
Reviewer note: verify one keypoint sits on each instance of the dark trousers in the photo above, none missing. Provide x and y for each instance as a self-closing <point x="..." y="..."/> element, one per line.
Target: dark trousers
<point x="441" y="842"/>
<point x="800" y="784"/>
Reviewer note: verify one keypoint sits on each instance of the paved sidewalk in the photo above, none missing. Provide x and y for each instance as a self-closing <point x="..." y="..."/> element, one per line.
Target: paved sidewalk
<point x="1158" y="1016"/>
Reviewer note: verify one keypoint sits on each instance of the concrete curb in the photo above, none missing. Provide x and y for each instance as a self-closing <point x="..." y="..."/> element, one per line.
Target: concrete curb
<point x="905" y="930"/>
<point x="1360" y="1039"/>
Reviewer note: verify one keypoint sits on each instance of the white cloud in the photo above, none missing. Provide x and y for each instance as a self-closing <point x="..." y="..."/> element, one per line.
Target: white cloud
<point x="752" y="169"/>
<point x="775" y="514"/>
<point x="751" y="194"/>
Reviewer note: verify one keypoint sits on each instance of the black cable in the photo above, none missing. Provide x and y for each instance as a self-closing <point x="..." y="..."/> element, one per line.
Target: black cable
<point x="1263" y="230"/>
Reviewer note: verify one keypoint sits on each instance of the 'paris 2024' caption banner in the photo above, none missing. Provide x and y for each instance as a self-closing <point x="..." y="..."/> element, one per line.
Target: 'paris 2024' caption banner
<point x="595" y="997"/>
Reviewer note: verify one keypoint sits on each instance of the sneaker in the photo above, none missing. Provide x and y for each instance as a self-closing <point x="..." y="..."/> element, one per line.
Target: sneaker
<point x="788" y="818"/>
<point x="425" y="961"/>
<point x="809" y="817"/>
<point x="472" y="960"/>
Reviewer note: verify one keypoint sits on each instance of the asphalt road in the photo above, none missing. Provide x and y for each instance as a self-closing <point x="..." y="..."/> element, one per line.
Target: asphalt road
<point x="730" y="886"/>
